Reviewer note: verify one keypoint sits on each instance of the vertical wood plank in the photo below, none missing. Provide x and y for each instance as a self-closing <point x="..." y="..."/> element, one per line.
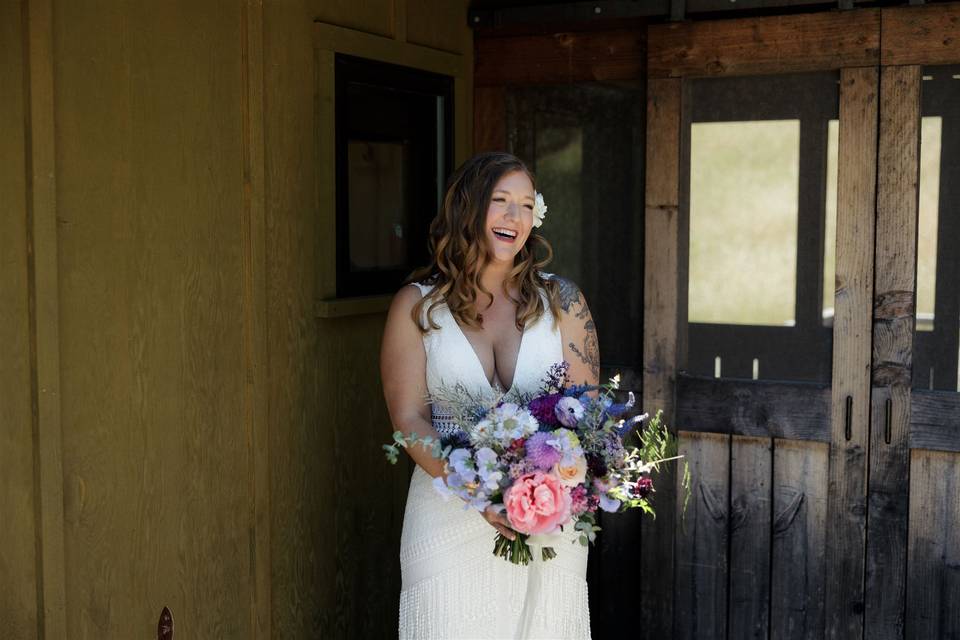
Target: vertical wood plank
<point x="751" y="478"/>
<point x="298" y="148"/>
<point x="664" y="285"/>
<point x="44" y="300"/>
<point x="702" y="537"/>
<point x="852" y="331"/>
<point x="19" y="602"/>
<point x="893" y="321"/>
<point x="797" y="571"/>
<point x="253" y="239"/>
<point x="933" y="565"/>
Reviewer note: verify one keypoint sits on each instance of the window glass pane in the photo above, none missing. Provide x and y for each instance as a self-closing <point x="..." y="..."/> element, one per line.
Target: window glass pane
<point x="936" y="342"/>
<point x="830" y="222"/>
<point x="930" y="135"/>
<point x="378" y="212"/>
<point x="559" y="167"/>
<point x="584" y="144"/>
<point x="744" y="179"/>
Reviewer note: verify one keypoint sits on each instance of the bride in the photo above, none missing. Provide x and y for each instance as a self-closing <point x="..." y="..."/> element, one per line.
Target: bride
<point x="482" y="314"/>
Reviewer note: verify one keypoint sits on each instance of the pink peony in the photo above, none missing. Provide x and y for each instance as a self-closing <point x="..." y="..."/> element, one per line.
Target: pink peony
<point x="537" y="503"/>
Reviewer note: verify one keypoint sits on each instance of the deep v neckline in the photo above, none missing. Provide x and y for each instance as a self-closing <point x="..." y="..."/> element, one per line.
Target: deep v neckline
<point x="479" y="362"/>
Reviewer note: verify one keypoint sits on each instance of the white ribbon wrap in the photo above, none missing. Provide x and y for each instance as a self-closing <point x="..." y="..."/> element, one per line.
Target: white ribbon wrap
<point x="535" y="580"/>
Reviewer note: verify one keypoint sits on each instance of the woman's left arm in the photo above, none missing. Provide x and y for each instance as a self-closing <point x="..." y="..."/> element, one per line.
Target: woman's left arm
<point x="580" y="347"/>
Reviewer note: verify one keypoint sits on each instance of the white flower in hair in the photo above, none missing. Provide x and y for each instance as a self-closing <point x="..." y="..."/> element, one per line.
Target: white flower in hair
<point x="539" y="209"/>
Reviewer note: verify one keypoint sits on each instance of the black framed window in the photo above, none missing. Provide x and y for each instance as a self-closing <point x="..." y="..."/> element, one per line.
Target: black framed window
<point x="394" y="148"/>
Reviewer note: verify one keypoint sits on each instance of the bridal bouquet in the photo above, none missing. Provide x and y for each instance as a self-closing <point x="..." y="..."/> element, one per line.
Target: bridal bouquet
<point x="550" y="461"/>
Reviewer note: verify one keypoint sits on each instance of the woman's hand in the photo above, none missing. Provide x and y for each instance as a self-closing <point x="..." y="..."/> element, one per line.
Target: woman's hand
<point x="499" y="522"/>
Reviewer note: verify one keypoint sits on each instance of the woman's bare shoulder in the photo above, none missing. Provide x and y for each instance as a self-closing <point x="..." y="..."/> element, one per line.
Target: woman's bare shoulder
<point x="403" y="300"/>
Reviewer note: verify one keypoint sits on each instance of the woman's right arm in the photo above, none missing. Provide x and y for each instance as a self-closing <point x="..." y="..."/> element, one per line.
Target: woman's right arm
<point x="403" y="366"/>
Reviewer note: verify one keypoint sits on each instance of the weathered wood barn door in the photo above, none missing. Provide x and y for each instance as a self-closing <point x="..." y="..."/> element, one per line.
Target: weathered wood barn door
<point x="819" y="508"/>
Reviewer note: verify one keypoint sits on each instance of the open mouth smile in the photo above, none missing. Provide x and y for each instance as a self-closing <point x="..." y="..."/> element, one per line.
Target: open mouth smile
<point x="502" y="233"/>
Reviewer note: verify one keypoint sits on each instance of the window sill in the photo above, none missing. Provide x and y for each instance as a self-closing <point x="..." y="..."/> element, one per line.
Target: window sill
<point x="344" y="307"/>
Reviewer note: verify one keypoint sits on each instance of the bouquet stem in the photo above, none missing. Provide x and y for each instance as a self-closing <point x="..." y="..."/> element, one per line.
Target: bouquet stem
<point x="518" y="551"/>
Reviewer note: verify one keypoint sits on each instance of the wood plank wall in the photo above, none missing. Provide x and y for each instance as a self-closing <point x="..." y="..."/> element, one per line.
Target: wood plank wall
<point x="175" y="424"/>
<point x="19" y="606"/>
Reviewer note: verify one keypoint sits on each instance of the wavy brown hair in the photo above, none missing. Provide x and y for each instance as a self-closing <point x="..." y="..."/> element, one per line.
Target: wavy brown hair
<point x="459" y="250"/>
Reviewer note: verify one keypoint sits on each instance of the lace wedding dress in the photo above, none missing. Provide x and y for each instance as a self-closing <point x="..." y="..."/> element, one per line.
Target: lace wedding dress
<point x="452" y="584"/>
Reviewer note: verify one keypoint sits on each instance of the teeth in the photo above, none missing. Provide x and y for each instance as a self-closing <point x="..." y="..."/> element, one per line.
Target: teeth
<point x="505" y="232"/>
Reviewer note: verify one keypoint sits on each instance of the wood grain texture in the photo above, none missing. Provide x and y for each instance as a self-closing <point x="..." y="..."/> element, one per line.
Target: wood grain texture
<point x="764" y="45"/>
<point x="852" y="331"/>
<point x="560" y="58"/>
<point x="798" y="560"/>
<point x="893" y="319"/>
<point x="760" y="408"/>
<point x="702" y="538"/>
<point x="438" y="25"/>
<point x="921" y="34"/>
<point x="751" y="505"/>
<point x="19" y="606"/>
<point x="157" y="450"/>
<point x="935" y="420"/>
<point x="255" y="349"/>
<point x="933" y="562"/>
<point x="375" y="16"/>
<point x="664" y="286"/>
<point x="43" y="247"/>
<point x="302" y="463"/>
<point x="489" y="119"/>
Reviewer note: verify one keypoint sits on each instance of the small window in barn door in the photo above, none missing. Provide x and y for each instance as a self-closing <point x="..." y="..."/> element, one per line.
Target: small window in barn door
<point x="394" y="146"/>
<point x="755" y="162"/>
<point x="744" y="178"/>
<point x="936" y="347"/>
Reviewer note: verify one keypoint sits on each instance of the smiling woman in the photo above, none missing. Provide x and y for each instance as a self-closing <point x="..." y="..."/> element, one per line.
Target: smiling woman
<point x="484" y="316"/>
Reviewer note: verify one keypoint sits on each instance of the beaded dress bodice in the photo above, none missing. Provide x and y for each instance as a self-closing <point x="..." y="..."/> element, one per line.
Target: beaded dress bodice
<point x="451" y="360"/>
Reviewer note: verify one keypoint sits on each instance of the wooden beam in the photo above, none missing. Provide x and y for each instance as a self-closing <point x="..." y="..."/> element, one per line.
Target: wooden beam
<point x="664" y="289"/>
<point x="764" y="45"/>
<point x="558" y="58"/>
<point x="758" y="408"/>
<point x="45" y="317"/>
<point x="921" y="34"/>
<point x="852" y="329"/>
<point x="893" y="322"/>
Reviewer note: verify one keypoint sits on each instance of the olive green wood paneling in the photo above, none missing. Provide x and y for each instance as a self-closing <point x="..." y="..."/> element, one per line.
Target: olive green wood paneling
<point x="253" y="237"/>
<point x="18" y="559"/>
<point x="440" y="25"/>
<point x="371" y="16"/>
<point x="44" y="314"/>
<point x="156" y="463"/>
<point x="302" y="464"/>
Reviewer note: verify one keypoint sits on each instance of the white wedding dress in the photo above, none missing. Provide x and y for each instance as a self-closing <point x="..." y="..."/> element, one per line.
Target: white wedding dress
<point x="452" y="584"/>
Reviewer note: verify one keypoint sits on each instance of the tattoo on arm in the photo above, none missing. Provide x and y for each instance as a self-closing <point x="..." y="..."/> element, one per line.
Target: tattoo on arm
<point x="590" y="353"/>
<point x="569" y="294"/>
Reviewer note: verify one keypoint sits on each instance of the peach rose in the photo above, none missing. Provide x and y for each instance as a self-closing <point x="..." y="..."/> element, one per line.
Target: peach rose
<point x="537" y="503"/>
<point x="574" y="474"/>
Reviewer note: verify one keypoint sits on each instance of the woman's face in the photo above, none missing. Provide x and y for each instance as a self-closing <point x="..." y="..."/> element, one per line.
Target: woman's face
<point x="510" y="216"/>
